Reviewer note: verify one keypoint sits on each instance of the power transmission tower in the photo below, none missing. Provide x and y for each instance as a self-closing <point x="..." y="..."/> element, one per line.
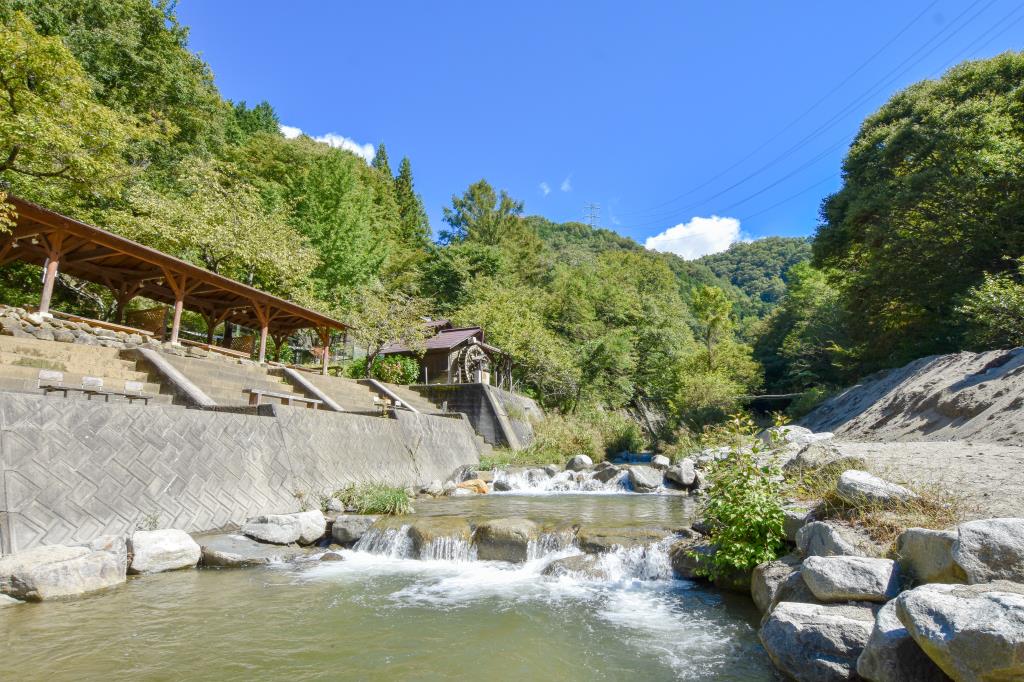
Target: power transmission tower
<point x="593" y="213"/>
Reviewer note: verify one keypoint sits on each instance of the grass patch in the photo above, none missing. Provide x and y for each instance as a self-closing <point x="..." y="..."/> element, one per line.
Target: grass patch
<point x="504" y="458"/>
<point x="375" y="498"/>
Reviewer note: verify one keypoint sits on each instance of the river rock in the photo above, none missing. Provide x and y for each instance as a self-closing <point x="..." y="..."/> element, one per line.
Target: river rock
<point x="851" y="578"/>
<point x="660" y="462"/>
<point x="682" y="473"/>
<point x="9" y="601"/>
<point x="332" y="556"/>
<point x="584" y="566"/>
<point x="424" y="532"/>
<point x="284" y="529"/>
<point x="579" y="463"/>
<point x="991" y="549"/>
<point x="504" y="539"/>
<point x="156" y="551"/>
<point x="973" y="632"/>
<point x="474" y="485"/>
<point x="434" y="488"/>
<point x="795" y="517"/>
<point x="892" y="655"/>
<point x="793" y="589"/>
<point x="551" y="469"/>
<point x="768" y="577"/>
<point x="230" y="550"/>
<point x="817" y="643"/>
<point x="348" y="528"/>
<point x="58" y="571"/>
<point x="607" y="474"/>
<point x="859" y="487"/>
<point x="116" y="545"/>
<point x="644" y="479"/>
<point x="823" y="454"/>
<point x="821" y="538"/>
<point x="501" y="485"/>
<point x="596" y="540"/>
<point x="334" y="505"/>
<point x="793" y="435"/>
<point x="927" y="556"/>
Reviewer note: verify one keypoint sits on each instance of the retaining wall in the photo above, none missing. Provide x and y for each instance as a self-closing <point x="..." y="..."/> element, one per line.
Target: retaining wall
<point x="500" y="417"/>
<point x="72" y="470"/>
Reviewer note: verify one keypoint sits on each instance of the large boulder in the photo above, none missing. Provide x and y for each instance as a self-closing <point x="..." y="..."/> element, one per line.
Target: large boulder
<point x="660" y="462"/>
<point x="607" y="474"/>
<point x="793" y="589"/>
<point x="229" y="550"/>
<point x="474" y="485"/>
<point x="859" y="487"/>
<point x="768" y="577"/>
<point x="892" y="655"/>
<point x="683" y="473"/>
<point x="692" y="559"/>
<point x="505" y="539"/>
<point x="991" y="549"/>
<point x="973" y="632"/>
<point x="436" y="537"/>
<point x="597" y="540"/>
<point x="283" y="529"/>
<point x="795" y="517"/>
<point x="851" y="578"/>
<point x="821" y="538"/>
<point x="156" y="551"/>
<point x="817" y="643"/>
<point x="792" y="435"/>
<point x="58" y="571"/>
<point x="926" y="556"/>
<point x="644" y="479"/>
<point x="579" y="463"/>
<point x="579" y="566"/>
<point x="348" y="528"/>
<point x="823" y="454"/>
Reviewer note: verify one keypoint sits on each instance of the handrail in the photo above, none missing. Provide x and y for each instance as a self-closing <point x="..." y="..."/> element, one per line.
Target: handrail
<point x="384" y="390"/>
<point x="308" y="386"/>
<point x="181" y="383"/>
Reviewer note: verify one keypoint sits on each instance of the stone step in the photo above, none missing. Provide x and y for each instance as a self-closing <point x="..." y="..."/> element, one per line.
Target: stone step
<point x="58" y="350"/>
<point x="219" y="365"/>
<point x="73" y="373"/>
<point x="264" y="383"/>
<point x="21" y="386"/>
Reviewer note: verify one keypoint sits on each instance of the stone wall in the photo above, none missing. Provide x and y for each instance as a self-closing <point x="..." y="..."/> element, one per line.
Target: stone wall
<point x="72" y="470"/>
<point x="500" y="417"/>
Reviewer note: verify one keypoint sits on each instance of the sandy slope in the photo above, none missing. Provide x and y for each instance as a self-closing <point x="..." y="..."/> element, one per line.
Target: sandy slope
<point x="957" y="397"/>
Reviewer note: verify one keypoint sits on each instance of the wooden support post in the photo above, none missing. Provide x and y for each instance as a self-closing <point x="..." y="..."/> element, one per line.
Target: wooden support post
<point x="123" y="295"/>
<point x="176" y="283"/>
<point x="325" y="338"/>
<point x="279" y="340"/>
<point x="50" y="272"/>
<point x="263" y="315"/>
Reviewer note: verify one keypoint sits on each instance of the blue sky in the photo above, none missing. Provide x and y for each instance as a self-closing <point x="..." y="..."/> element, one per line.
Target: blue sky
<point x="689" y="123"/>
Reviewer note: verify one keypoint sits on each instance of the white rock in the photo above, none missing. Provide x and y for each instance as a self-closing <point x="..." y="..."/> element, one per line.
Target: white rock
<point x="991" y="549"/>
<point x="682" y="473"/>
<point x="156" y="551"/>
<point x="792" y="434"/>
<point x="851" y="578"/>
<point x="579" y="463"/>
<point x="973" y="632"/>
<point x="284" y="529"/>
<point x="927" y="556"/>
<point x="57" y="571"/>
<point x="644" y="479"/>
<point x="859" y="487"/>
<point x="892" y="655"/>
<point x="817" y="643"/>
<point x="660" y="462"/>
<point x="820" y="538"/>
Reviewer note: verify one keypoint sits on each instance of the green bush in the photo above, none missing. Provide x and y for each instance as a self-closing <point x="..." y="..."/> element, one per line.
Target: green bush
<point x="392" y="369"/>
<point x="375" y="498"/>
<point x="595" y="433"/>
<point x="743" y="512"/>
<point x="810" y="399"/>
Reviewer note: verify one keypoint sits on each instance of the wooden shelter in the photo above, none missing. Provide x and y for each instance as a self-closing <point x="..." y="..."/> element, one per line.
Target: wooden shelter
<point x="129" y="269"/>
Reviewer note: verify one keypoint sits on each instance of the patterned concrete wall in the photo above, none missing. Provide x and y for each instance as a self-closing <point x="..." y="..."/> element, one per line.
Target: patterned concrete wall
<point x="72" y="470"/>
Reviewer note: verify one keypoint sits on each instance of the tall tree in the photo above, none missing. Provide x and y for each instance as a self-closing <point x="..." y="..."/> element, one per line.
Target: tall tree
<point x="481" y="215"/>
<point x="379" y="316"/>
<point x="415" y="227"/>
<point x="712" y="310"/>
<point x="380" y="160"/>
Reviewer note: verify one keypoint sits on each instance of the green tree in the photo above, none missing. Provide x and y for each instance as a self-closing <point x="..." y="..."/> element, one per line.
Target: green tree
<point x="52" y="129"/>
<point x="713" y="312"/>
<point x="379" y="316"/>
<point x="481" y="215"/>
<point x="414" y="225"/>
<point x="247" y="122"/>
<point x="380" y="161"/>
<point x="932" y="199"/>
<point x="995" y="309"/>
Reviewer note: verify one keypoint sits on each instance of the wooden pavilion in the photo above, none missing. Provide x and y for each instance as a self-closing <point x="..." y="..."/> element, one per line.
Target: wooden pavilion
<point x="129" y="269"/>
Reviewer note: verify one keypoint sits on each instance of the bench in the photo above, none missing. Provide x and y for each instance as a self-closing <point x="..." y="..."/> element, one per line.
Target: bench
<point x="256" y="396"/>
<point x="53" y="381"/>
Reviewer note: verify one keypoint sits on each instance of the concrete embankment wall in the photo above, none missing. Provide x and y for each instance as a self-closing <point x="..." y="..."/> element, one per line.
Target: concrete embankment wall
<point x="72" y="470"/>
<point x="500" y="417"/>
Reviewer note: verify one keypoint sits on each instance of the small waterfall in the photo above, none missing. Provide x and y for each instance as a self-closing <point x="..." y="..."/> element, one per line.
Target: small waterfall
<point x="646" y="562"/>
<point x="390" y="542"/>
<point x="549" y="543"/>
<point x="448" y="548"/>
<point x="538" y="481"/>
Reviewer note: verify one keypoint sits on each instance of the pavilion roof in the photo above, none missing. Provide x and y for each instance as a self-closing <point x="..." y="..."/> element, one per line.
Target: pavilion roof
<point x="96" y="255"/>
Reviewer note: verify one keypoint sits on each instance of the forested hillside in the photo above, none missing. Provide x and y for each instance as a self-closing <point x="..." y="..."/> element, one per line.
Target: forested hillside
<point x="109" y="117"/>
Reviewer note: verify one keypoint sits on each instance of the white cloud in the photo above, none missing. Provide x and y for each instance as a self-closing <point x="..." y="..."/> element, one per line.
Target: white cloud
<point x="697" y="238"/>
<point x="567" y="184"/>
<point x="335" y="140"/>
<point x="545" y="188"/>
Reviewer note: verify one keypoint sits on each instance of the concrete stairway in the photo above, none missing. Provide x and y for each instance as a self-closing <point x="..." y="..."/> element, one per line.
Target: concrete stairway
<point x="412" y="398"/>
<point x="224" y="380"/>
<point x="348" y="393"/>
<point x="21" y="359"/>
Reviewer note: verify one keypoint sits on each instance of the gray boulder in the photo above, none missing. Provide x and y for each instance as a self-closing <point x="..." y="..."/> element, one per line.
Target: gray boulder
<point x="644" y="479"/>
<point x="552" y="469"/>
<point x="823" y="454"/>
<point x="332" y="556"/>
<point x="57" y="571"/>
<point x="228" y="550"/>
<point x="768" y="577"/>
<point x="660" y="462"/>
<point x="505" y="539"/>
<point x="156" y="551"/>
<point x="284" y="529"/>
<point x="859" y="487"/>
<point x="607" y="474"/>
<point x="435" y="488"/>
<point x="974" y="633"/>
<point x="991" y="549"/>
<point x="795" y="517"/>
<point x="851" y="578"/>
<point x="926" y="556"/>
<point x="892" y="655"/>
<point x="584" y="566"/>
<point x="682" y="473"/>
<point x="116" y="545"/>
<point x="821" y="538"/>
<point x="429" y="532"/>
<point x="597" y="540"/>
<point x="348" y="528"/>
<point x="579" y="463"/>
<point x="817" y="643"/>
<point x="501" y="485"/>
<point x="791" y="434"/>
<point x="793" y="589"/>
<point x="334" y="505"/>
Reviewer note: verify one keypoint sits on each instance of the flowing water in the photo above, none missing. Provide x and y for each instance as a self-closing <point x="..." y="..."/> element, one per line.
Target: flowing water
<point x="381" y="615"/>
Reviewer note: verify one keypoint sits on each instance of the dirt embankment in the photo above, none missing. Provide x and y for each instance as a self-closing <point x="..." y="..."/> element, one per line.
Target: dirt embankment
<point x="958" y="397"/>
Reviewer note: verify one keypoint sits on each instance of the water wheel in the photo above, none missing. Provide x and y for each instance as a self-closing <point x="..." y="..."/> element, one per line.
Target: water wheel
<point x="472" y="360"/>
